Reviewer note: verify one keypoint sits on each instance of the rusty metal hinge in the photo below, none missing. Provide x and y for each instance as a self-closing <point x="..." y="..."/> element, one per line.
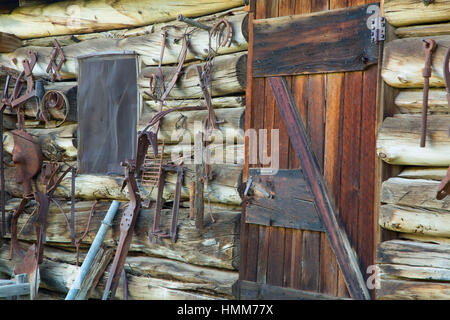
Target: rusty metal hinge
<point x="378" y="29"/>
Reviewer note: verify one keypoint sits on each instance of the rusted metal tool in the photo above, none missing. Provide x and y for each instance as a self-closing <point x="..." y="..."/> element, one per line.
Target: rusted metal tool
<point x="429" y="47"/>
<point x="156" y="231"/>
<point x="126" y="230"/>
<point x="444" y="186"/>
<point x="53" y="68"/>
<point x="27" y="158"/>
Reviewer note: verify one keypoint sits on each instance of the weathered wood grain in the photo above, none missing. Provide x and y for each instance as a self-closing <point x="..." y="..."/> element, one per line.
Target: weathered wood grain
<point x="227" y="77"/>
<point x="404" y="60"/>
<point x="399" y="136"/>
<point x="427" y="173"/>
<point x="148" y="277"/>
<point x="425" y="30"/>
<point x="9" y="42"/>
<point x="410" y="220"/>
<point x="344" y="44"/>
<point x="325" y="206"/>
<point x="413" y="193"/>
<point x="406" y="12"/>
<point x="217" y="246"/>
<point x="292" y="205"/>
<point x="410" y="101"/>
<point x="72" y="17"/>
<point x="412" y="290"/>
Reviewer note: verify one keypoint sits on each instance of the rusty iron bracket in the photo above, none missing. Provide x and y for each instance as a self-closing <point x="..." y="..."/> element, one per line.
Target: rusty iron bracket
<point x="127" y="224"/>
<point x="156" y="231"/>
<point x="444" y="186"/>
<point x="53" y="68"/>
<point x="429" y="48"/>
<point x="53" y="99"/>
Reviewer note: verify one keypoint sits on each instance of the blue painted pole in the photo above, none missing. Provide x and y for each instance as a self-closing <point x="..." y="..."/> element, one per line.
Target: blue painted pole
<point x="106" y="223"/>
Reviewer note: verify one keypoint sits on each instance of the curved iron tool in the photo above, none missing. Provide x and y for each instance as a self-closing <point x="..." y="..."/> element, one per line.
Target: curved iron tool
<point x="429" y="47"/>
<point x="126" y="230"/>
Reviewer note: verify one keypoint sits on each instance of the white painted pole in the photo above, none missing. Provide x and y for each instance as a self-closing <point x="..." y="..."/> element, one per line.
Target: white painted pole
<point x="106" y="223"/>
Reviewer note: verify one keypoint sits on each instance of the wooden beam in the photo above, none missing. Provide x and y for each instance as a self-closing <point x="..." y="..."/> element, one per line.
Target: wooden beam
<point x="407" y="12"/>
<point x="410" y="101"/>
<point x="74" y="17"/>
<point x="344" y="43"/>
<point x="420" y="221"/>
<point x="324" y="204"/>
<point x="404" y="60"/>
<point x="412" y="290"/>
<point x="412" y="192"/>
<point x="427" y="30"/>
<point x="215" y="247"/>
<point x="399" y="137"/>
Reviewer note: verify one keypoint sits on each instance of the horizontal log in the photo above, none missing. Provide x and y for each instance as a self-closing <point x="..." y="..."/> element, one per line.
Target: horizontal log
<point x="217" y="246"/>
<point x="172" y="27"/>
<point x="413" y="253"/>
<point x="423" y="238"/>
<point x="406" y="12"/>
<point x="394" y="271"/>
<point x="9" y="42"/>
<point x="217" y="103"/>
<point x="427" y="173"/>
<point x="147" y="46"/>
<point x="412" y="290"/>
<point x="180" y="279"/>
<point x="180" y="126"/>
<point x="426" y="30"/>
<point x="72" y="17"/>
<point x="221" y="189"/>
<point x="404" y="60"/>
<point x="399" y="136"/>
<point x="410" y="220"/>
<point x="228" y="76"/>
<point x="410" y="101"/>
<point x="413" y="193"/>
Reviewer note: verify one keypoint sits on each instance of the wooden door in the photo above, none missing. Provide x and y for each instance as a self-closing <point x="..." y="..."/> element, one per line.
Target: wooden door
<point x="300" y="241"/>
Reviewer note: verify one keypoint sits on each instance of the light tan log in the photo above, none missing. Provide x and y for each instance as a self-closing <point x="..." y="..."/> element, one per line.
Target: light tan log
<point x="406" y="12"/>
<point x="413" y="253"/>
<point x="427" y="30"/>
<point x="395" y="271"/>
<point x="217" y="246"/>
<point x="404" y="60"/>
<point x="148" y="277"/>
<point x="217" y="103"/>
<point x="413" y="290"/>
<point x="173" y="27"/>
<point x="410" y="101"/>
<point x="180" y="126"/>
<point x="410" y="220"/>
<point x="427" y="173"/>
<point x="147" y="46"/>
<point x="72" y="17"/>
<point x="413" y="193"/>
<point x="9" y="42"/>
<point x="399" y="136"/>
<point x="90" y="187"/>
<point x="423" y="238"/>
<point x="228" y="77"/>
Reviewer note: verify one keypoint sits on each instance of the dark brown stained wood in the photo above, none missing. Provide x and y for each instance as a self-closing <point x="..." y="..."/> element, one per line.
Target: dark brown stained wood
<point x="247" y="290"/>
<point x="325" y="206"/>
<point x="9" y="42"/>
<point x="292" y="205"/>
<point x="350" y="155"/>
<point x="366" y="221"/>
<point x="310" y="277"/>
<point x="344" y="44"/>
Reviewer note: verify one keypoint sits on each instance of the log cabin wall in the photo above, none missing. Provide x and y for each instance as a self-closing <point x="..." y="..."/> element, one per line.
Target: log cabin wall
<point x="416" y="264"/>
<point x="200" y="265"/>
<point x="339" y="112"/>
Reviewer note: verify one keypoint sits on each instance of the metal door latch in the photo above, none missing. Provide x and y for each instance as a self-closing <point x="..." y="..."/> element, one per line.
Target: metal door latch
<point x="250" y="182"/>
